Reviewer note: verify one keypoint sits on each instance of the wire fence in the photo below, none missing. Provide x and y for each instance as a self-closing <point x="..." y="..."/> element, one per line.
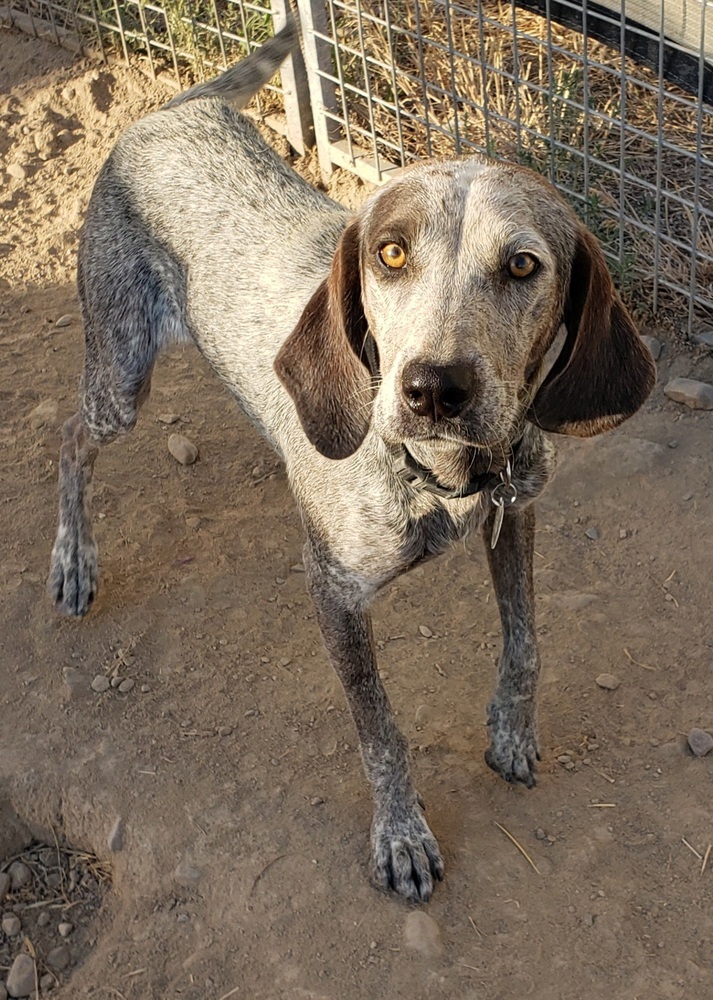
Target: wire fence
<point x="612" y="100"/>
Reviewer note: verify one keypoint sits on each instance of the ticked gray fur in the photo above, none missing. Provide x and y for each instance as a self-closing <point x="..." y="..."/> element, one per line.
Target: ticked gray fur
<point x="197" y="231"/>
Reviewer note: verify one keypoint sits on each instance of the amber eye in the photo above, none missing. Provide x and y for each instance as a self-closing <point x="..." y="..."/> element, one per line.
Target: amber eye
<point x="393" y="255"/>
<point x="522" y="265"/>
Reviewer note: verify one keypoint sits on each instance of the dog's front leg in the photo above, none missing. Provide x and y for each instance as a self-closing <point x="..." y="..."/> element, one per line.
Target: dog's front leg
<point x="511" y="713"/>
<point x="405" y="853"/>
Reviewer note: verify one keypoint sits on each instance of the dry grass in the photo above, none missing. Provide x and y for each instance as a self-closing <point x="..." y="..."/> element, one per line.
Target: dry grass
<point x="530" y="108"/>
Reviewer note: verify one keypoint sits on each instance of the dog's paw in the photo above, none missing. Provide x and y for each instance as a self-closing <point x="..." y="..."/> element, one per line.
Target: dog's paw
<point x="513" y="752"/>
<point x="405" y="854"/>
<point x="74" y="574"/>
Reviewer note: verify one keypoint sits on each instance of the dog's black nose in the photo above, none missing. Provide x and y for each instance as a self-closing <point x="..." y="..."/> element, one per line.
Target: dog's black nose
<point x="437" y="391"/>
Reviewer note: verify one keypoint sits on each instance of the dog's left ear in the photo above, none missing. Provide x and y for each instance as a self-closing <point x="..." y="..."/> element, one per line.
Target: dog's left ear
<point x="604" y="371"/>
<point x="323" y="364"/>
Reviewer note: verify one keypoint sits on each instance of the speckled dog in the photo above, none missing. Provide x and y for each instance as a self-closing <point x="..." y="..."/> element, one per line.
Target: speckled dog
<point x="397" y="361"/>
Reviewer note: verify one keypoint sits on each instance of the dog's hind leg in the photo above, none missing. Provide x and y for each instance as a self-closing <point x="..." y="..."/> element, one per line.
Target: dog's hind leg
<point x="129" y="313"/>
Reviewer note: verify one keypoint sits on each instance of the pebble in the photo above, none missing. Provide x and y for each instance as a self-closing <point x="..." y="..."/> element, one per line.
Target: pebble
<point x="704" y="339"/>
<point x="592" y="533"/>
<point x="11" y="924"/>
<point x="183" y="450"/>
<point x="187" y="874"/>
<point x="168" y="418"/>
<point x="3" y="992"/>
<point x="20" y="875"/>
<point x="653" y="344"/>
<point x="17" y="171"/>
<point x="66" y="320"/>
<point x="540" y="833"/>
<point x="46" y="982"/>
<point x="225" y="731"/>
<point x="316" y="801"/>
<point x="65" y="929"/>
<point x="696" y="395"/>
<point x="101" y="684"/>
<point x="421" y="933"/>
<point x="20" y="981"/>
<point x="4" y="885"/>
<point x="297" y="568"/>
<point x="116" y="681"/>
<point x="425" y="631"/>
<point x="59" y="958"/>
<point x="43" y="919"/>
<point x="608" y="681"/>
<point x="127" y="685"/>
<point x="700" y="742"/>
<point x="145" y="689"/>
<point x="623" y="533"/>
<point x="115" y="840"/>
<point x="564" y="758"/>
<point x="44" y="413"/>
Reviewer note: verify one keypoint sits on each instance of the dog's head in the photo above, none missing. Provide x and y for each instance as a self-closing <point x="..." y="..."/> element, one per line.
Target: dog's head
<point x="445" y="294"/>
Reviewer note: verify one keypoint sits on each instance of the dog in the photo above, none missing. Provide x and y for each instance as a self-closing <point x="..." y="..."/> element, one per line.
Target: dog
<point x="398" y="360"/>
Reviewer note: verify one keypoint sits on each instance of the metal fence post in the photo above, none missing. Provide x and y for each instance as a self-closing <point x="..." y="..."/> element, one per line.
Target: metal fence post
<point x="296" y="97"/>
<point x="318" y="60"/>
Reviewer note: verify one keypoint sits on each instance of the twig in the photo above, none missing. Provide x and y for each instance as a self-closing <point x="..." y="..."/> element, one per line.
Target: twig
<point x="59" y="865"/>
<point x="704" y="864"/>
<point x="519" y="846"/>
<point x="257" y="878"/>
<point x="475" y="926"/>
<point x="605" y="776"/>
<point x="646" y="666"/>
<point x="690" y="848"/>
<point x="232" y="992"/>
<point x="602" y="805"/>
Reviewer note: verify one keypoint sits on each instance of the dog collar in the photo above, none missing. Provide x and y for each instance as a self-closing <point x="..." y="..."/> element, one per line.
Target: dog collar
<point x="419" y="477"/>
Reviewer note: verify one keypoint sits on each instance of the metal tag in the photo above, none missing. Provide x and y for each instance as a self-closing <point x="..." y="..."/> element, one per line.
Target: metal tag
<point x="502" y="495"/>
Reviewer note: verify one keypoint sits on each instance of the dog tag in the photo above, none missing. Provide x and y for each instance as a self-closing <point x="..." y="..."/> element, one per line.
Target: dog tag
<point x="502" y="495"/>
<point x="498" y="522"/>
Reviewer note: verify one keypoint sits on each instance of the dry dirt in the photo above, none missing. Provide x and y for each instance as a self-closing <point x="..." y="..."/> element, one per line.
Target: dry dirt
<point x="240" y="855"/>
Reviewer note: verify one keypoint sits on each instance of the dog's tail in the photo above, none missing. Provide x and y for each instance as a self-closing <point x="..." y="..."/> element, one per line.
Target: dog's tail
<point x="238" y="84"/>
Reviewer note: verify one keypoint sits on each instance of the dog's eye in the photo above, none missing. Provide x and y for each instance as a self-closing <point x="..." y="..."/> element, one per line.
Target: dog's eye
<point x="393" y="255"/>
<point x="522" y="265"/>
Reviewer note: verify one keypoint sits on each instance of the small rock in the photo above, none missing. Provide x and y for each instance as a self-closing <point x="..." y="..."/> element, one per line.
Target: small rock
<point x="425" y="631"/>
<point x="422" y="934"/>
<point x="183" y="450"/>
<point x="11" y="924"/>
<point x="115" y="840"/>
<point x="20" y="875"/>
<point x="540" y="833"/>
<point x="43" y="919"/>
<point x="704" y="339"/>
<point x="4" y="885"/>
<point x="17" y="171"/>
<point x="46" y="982"/>
<point x="145" y="689"/>
<point x="3" y="992"/>
<point x="116" y="681"/>
<point x="64" y="321"/>
<point x="65" y="929"/>
<point x="43" y="414"/>
<point x="608" y="681"/>
<point x="700" y="742"/>
<point x="20" y="981"/>
<point x="696" y="395"/>
<point x="187" y="874"/>
<point x="101" y="684"/>
<point x="225" y="731"/>
<point x="127" y="685"/>
<point x="623" y="533"/>
<point x="168" y="418"/>
<point x="59" y="958"/>
<point x="316" y="801"/>
<point x="564" y="758"/>
<point x="592" y="533"/>
<point x="297" y="568"/>
<point x="653" y="344"/>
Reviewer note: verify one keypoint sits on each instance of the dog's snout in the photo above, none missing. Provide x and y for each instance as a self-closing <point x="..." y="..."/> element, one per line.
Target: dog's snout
<point x="437" y="391"/>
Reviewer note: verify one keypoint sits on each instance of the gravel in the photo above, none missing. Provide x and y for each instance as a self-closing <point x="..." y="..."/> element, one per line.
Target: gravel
<point x="608" y="681"/>
<point x="101" y="684"/>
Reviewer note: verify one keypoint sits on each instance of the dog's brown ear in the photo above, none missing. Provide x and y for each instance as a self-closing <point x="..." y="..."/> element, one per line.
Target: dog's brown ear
<point x="604" y="371"/>
<point x="323" y="365"/>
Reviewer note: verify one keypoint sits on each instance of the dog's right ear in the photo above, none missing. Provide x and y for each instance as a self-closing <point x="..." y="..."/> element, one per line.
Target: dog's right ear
<point x="322" y="363"/>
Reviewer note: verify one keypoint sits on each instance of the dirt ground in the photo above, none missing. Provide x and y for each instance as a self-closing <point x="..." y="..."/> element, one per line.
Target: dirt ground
<point x="224" y="790"/>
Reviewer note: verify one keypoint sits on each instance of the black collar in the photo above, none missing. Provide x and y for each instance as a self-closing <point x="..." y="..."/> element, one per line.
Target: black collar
<point x="419" y="477"/>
